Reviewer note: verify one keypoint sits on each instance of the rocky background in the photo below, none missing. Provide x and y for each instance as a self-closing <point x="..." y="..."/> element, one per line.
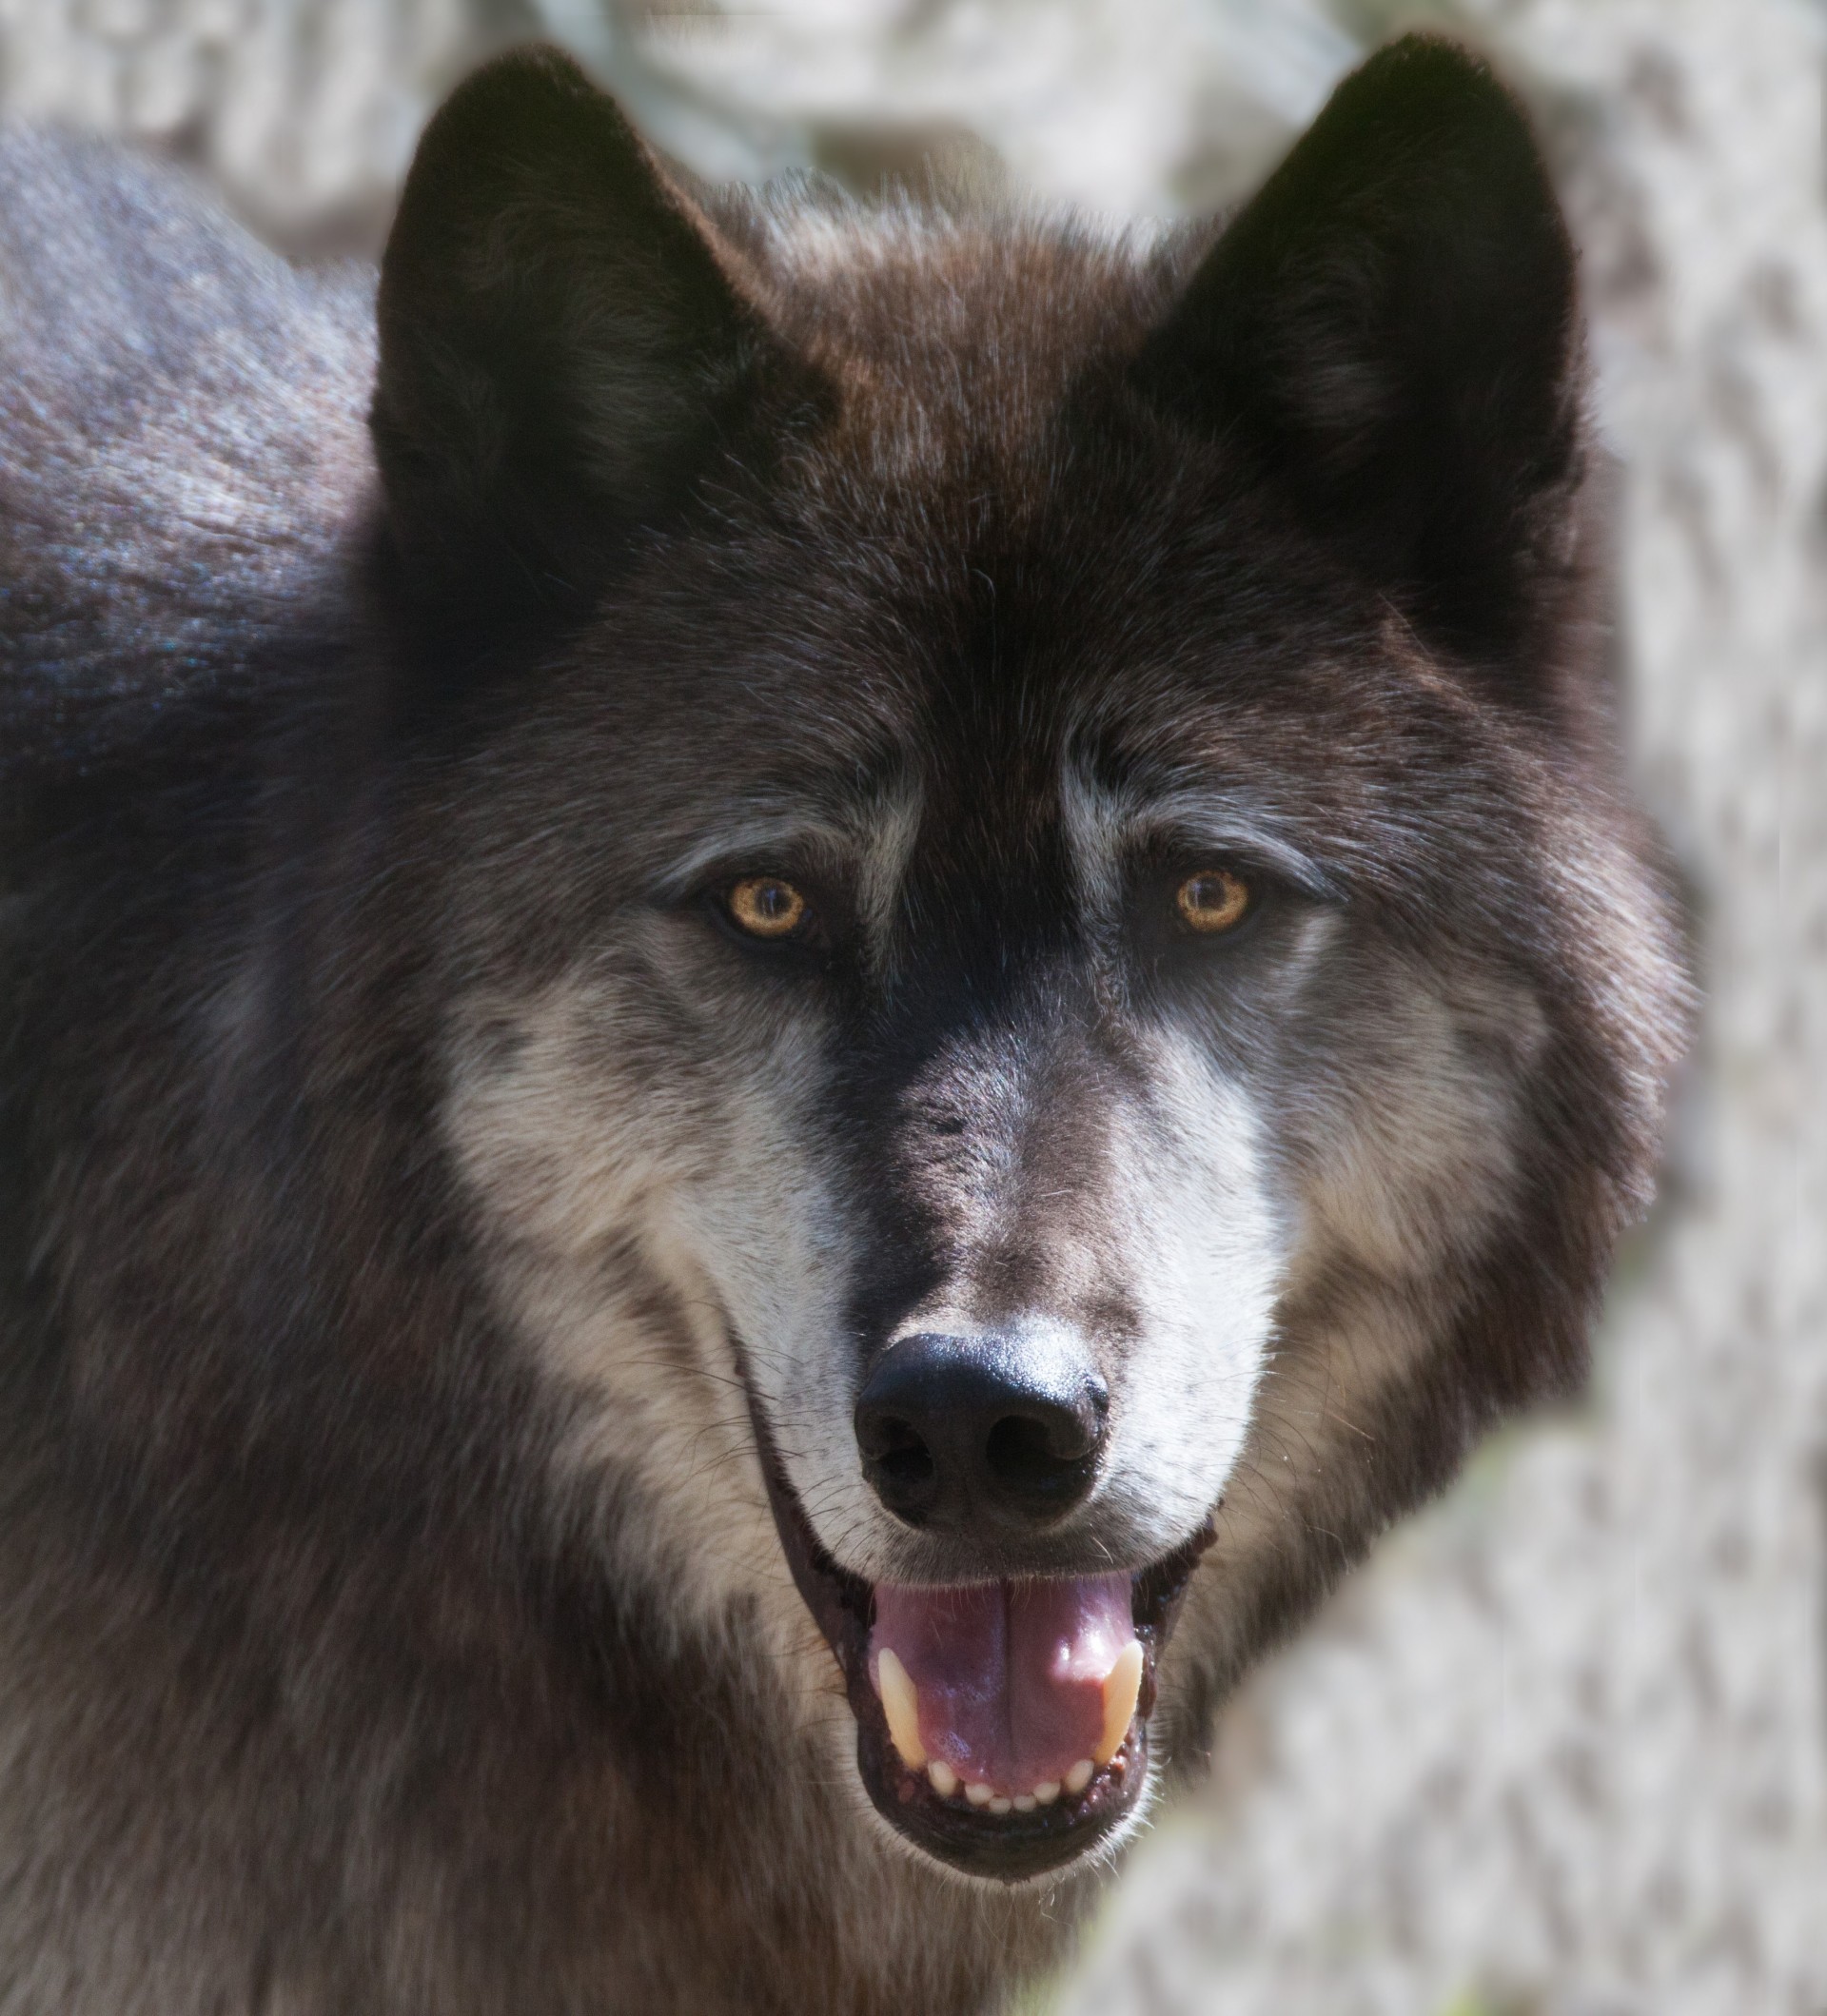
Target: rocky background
<point x="1560" y="1750"/>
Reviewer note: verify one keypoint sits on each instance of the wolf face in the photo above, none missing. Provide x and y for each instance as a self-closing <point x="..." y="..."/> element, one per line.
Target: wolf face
<point x="1047" y="999"/>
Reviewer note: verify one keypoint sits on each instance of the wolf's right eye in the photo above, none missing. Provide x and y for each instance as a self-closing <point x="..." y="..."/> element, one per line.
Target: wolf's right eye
<point x="765" y="906"/>
<point x="1212" y="901"/>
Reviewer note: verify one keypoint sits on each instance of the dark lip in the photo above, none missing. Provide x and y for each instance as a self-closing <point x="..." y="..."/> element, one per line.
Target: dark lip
<point x="1007" y="1847"/>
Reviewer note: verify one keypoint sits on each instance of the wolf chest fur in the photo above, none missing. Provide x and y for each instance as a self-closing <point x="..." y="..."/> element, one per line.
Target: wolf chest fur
<point x="792" y="996"/>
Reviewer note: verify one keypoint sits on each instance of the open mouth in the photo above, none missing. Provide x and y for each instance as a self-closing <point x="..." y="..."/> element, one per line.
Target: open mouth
<point x="1002" y="1727"/>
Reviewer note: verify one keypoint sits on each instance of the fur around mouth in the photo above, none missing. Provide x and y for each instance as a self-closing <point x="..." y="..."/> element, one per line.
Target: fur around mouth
<point x="1003" y="1834"/>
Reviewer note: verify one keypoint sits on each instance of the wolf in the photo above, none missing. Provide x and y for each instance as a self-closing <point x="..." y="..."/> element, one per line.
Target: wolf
<point x="793" y="993"/>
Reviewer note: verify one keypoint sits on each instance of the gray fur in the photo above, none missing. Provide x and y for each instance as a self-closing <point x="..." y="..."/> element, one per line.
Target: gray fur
<point x="408" y="1188"/>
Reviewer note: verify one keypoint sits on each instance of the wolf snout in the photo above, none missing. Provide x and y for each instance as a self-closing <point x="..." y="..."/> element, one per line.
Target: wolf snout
<point x="1000" y="1431"/>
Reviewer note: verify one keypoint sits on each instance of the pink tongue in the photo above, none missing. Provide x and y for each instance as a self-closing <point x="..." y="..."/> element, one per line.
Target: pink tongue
<point x="1010" y="1675"/>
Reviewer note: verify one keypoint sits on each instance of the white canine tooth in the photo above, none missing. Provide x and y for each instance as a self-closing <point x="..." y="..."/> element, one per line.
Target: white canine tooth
<point x="1122" y="1684"/>
<point x="1047" y="1791"/>
<point x="901" y="1705"/>
<point x="978" y="1795"/>
<point x="1000" y="1804"/>
<point x="1079" y="1776"/>
<point x="944" y="1780"/>
<point x="1024" y="1802"/>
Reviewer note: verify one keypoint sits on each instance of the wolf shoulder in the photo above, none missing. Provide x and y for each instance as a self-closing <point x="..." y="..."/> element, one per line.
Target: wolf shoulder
<point x="183" y="439"/>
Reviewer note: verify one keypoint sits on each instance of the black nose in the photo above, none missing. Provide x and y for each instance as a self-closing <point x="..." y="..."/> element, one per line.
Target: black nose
<point x="999" y="1431"/>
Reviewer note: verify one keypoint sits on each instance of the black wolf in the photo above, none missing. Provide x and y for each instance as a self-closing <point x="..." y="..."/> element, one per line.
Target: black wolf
<point x="791" y="997"/>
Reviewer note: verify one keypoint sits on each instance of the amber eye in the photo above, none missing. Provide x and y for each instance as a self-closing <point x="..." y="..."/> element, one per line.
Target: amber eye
<point x="765" y="906"/>
<point x="1213" y="900"/>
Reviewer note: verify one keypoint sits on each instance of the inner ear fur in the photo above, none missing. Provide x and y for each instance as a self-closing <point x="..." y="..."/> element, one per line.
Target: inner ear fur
<point x="563" y="346"/>
<point x="1391" y="326"/>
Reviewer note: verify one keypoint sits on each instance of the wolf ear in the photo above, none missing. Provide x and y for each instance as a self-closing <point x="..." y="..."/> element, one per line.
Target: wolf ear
<point x="1391" y="326"/>
<point x="561" y="348"/>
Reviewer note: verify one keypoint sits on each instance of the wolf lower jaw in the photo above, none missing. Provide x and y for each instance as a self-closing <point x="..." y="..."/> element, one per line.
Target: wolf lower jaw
<point x="972" y="1842"/>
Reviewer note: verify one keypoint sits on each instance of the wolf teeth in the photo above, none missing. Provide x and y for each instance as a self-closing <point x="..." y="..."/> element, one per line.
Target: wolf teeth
<point x="901" y="1706"/>
<point x="1122" y="1685"/>
<point x="945" y="1781"/>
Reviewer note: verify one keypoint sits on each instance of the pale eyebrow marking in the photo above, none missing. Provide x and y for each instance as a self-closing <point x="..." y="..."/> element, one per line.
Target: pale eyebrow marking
<point x="1104" y="824"/>
<point x="894" y="831"/>
<point x="1094" y="818"/>
<point x="868" y="841"/>
<point x="754" y="840"/>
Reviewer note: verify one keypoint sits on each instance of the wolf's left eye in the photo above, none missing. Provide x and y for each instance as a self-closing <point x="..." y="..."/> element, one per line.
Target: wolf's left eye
<point x="1213" y="900"/>
<point x="766" y="907"/>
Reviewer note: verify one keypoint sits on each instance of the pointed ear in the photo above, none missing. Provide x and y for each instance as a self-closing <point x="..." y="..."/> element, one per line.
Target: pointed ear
<point x="562" y="349"/>
<point x="1392" y="328"/>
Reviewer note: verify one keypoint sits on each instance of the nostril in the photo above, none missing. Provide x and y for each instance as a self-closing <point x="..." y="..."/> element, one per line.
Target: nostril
<point x="1046" y="1451"/>
<point x="897" y="1460"/>
<point x="900" y="1453"/>
<point x="1023" y="1455"/>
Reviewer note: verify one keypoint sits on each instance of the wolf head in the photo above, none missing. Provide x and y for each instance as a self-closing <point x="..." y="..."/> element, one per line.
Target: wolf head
<point x="1048" y="997"/>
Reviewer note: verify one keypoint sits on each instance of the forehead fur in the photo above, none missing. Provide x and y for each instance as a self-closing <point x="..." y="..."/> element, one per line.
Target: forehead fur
<point x="990" y="554"/>
<point x="965" y="323"/>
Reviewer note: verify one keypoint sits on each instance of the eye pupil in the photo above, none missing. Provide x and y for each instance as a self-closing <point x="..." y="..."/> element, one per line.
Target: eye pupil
<point x="1213" y="900"/>
<point x="765" y="906"/>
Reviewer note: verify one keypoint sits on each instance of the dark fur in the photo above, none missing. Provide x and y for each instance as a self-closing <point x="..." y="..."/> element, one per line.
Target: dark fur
<point x="315" y="1693"/>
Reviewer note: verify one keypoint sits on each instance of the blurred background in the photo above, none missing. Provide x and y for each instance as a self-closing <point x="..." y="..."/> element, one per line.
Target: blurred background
<point x="1561" y="1749"/>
